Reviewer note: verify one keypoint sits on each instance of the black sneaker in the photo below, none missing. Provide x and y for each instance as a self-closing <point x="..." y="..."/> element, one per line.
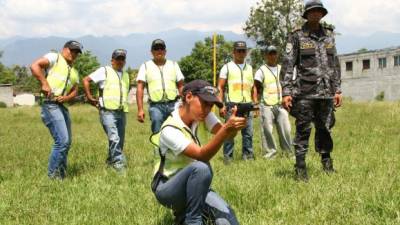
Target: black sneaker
<point x="327" y="165"/>
<point x="301" y="173"/>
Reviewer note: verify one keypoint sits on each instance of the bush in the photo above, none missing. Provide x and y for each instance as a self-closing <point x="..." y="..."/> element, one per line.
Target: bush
<point x="3" y="105"/>
<point x="380" y="97"/>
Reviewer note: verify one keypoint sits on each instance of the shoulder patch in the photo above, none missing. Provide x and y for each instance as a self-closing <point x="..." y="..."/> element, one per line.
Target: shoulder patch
<point x="297" y="28"/>
<point x="289" y="47"/>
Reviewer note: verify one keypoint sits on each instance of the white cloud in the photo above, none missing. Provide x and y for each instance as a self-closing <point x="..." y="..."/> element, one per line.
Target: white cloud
<point x="107" y="17"/>
<point x="363" y="17"/>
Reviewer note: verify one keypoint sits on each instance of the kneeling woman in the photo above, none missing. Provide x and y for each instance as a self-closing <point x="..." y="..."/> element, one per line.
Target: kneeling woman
<point x="183" y="177"/>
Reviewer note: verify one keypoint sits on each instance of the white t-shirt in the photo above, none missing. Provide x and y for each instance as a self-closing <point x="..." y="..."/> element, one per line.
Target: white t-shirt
<point x="173" y="139"/>
<point x="259" y="76"/>
<point x="52" y="57"/>
<point x="99" y="76"/>
<point x="142" y="72"/>
<point x="223" y="74"/>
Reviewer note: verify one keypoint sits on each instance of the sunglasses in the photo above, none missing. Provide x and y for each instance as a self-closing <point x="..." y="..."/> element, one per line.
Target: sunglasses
<point x="158" y="48"/>
<point x="241" y="51"/>
<point x="76" y="51"/>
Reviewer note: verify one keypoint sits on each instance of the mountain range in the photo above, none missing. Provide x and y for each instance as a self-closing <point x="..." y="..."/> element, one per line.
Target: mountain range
<point x="22" y="50"/>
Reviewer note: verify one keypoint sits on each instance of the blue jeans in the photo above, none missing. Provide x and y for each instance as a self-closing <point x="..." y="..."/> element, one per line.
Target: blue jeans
<point x="114" y="123"/>
<point x="188" y="194"/>
<point x="247" y="137"/>
<point x="159" y="112"/>
<point x="56" y="118"/>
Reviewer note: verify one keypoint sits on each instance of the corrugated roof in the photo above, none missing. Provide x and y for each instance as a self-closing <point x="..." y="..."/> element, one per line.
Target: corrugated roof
<point x="372" y="51"/>
<point x="5" y="85"/>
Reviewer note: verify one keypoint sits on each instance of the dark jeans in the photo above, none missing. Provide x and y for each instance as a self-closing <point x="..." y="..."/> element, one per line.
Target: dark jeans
<point x="159" y="112"/>
<point x="321" y="113"/>
<point x="188" y="194"/>
<point x="247" y="137"/>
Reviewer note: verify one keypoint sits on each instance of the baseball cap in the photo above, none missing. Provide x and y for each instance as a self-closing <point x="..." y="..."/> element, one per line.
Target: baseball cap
<point x="270" y="49"/>
<point x="73" y="45"/>
<point x="119" y="53"/>
<point x="158" y="42"/>
<point x="204" y="90"/>
<point x="240" y="45"/>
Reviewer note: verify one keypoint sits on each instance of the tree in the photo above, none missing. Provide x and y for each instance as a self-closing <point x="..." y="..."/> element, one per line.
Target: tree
<point x="86" y="63"/>
<point x="24" y="81"/>
<point x="132" y="75"/>
<point x="199" y="64"/>
<point x="6" y="75"/>
<point x="270" y="22"/>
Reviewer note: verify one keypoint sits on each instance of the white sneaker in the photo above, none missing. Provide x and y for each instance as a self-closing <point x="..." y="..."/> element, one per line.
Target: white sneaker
<point x="270" y="155"/>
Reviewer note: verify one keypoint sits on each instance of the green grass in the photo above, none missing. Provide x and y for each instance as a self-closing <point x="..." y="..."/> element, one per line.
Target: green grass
<point x="366" y="189"/>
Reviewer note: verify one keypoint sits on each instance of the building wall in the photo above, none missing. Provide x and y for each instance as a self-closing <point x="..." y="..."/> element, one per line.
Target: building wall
<point x="362" y="84"/>
<point x="6" y="95"/>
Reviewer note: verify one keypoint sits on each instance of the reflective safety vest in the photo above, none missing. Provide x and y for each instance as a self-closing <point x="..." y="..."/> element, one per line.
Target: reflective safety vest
<point x="62" y="77"/>
<point x="161" y="81"/>
<point x="115" y="91"/>
<point x="240" y="83"/>
<point x="272" y="94"/>
<point x="172" y="163"/>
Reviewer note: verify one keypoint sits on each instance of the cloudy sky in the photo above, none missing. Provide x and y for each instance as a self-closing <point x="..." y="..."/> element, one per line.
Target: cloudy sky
<point x="73" y="18"/>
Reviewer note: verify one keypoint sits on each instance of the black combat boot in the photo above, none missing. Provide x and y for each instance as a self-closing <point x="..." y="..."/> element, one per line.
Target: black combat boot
<point x="301" y="169"/>
<point x="327" y="165"/>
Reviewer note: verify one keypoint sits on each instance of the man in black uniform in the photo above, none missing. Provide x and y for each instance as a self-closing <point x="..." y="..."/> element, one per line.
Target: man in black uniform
<point x="312" y="93"/>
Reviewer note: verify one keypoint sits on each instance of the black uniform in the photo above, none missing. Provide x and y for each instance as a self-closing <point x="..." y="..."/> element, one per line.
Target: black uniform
<point x="313" y="86"/>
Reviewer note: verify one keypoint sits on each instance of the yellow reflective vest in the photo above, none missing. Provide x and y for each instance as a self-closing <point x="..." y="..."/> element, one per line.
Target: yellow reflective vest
<point x="240" y="83"/>
<point x="173" y="163"/>
<point x="161" y="81"/>
<point x="115" y="91"/>
<point x="272" y="94"/>
<point x="62" y="77"/>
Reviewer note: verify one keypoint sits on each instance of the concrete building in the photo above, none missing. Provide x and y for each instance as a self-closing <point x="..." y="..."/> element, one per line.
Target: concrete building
<point x="132" y="96"/>
<point x="6" y="94"/>
<point x="367" y="74"/>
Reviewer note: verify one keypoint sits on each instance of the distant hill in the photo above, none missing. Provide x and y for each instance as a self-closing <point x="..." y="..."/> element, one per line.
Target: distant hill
<point x="22" y="51"/>
<point x="378" y="40"/>
<point x="179" y="42"/>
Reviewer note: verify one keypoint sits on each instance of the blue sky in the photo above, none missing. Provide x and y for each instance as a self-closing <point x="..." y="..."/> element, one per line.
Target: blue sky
<point x="74" y="18"/>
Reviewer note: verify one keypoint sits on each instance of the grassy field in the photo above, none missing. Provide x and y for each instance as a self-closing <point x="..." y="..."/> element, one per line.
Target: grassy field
<point x="366" y="189"/>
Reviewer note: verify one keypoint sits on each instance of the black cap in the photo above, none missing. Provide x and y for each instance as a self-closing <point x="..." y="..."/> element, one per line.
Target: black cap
<point x="73" y="45"/>
<point x="270" y="49"/>
<point x="119" y="53"/>
<point x="158" y="42"/>
<point x="204" y="90"/>
<point x="240" y="45"/>
<point x="314" y="4"/>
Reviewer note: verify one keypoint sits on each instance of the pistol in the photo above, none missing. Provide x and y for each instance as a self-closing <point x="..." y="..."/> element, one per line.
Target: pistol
<point x="244" y="109"/>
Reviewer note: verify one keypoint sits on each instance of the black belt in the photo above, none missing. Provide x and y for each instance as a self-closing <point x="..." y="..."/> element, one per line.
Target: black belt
<point x="164" y="102"/>
<point x="114" y="110"/>
<point x="52" y="102"/>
